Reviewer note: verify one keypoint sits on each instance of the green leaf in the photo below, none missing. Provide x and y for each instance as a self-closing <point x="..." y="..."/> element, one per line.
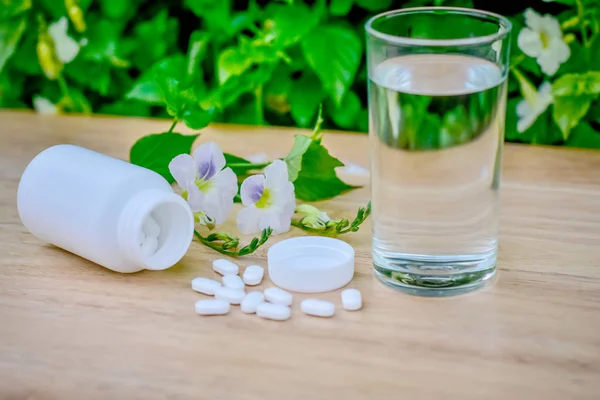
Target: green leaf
<point x="286" y="27"/>
<point x="215" y="13"/>
<point x="125" y="108"/>
<point x="146" y="90"/>
<point x="339" y="8"/>
<point x="374" y="5"/>
<point x="182" y="93"/>
<point x="115" y="9"/>
<point x="334" y="54"/>
<point x="232" y="62"/>
<point x="76" y="102"/>
<point x="153" y="39"/>
<point x="363" y="120"/>
<point x="239" y="165"/>
<point x="230" y="91"/>
<point x="156" y="151"/>
<point x="568" y="111"/>
<point x="104" y="45"/>
<point x="294" y="158"/>
<point x="80" y="71"/>
<point x="346" y="114"/>
<point x="312" y="170"/>
<point x="197" y="47"/>
<point x="10" y="35"/>
<point x="305" y="96"/>
<point x="583" y="135"/>
<point x="11" y="8"/>
<point x="577" y="84"/>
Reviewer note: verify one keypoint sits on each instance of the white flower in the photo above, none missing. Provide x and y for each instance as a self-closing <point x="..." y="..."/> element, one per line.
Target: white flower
<point x="209" y="188"/>
<point x="44" y="106"/>
<point x="66" y="48"/>
<point x="543" y="40"/>
<point x="530" y="108"/>
<point x="269" y="200"/>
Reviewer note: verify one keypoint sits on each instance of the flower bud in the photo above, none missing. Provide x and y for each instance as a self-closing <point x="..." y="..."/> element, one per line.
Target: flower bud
<point x="75" y="15"/>
<point x="47" y="57"/>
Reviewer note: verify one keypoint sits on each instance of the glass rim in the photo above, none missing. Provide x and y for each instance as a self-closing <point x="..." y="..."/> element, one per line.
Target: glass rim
<point x="467" y="41"/>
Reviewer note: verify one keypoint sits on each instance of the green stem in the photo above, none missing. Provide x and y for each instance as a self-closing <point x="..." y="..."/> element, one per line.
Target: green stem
<point x="64" y="88"/>
<point x="260" y="117"/>
<point x="518" y="60"/>
<point x="214" y="245"/>
<point x="248" y="166"/>
<point x="582" y="29"/>
<point x="175" y="121"/>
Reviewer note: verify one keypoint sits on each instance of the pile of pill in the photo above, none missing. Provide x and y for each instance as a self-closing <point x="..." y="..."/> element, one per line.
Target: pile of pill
<point x="148" y="236"/>
<point x="273" y="303"/>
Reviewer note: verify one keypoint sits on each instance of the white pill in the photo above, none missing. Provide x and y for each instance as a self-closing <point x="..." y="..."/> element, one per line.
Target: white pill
<point x="211" y="307"/>
<point x="225" y="267"/>
<point x="151" y="227"/>
<point x="205" y="285"/>
<point x="317" y="308"/>
<point x="277" y="296"/>
<point x="252" y="301"/>
<point x="253" y="275"/>
<point x="233" y="282"/>
<point x="273" y="311"/>
<point x="232" y="296"/>
<point x="149" y="245"/>
<point x="351" y="299"/>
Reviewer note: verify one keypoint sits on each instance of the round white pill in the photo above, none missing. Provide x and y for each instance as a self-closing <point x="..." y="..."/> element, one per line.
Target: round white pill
<point x="151" y="227"/>
<point x="252" y="301"/>
<point x="233" y="282"/>
<point x="351" y="299"/>
<point x="225" y="267"/>
<point x="278" y="296"/>
<point x="317" y="308"/>
<point x="211" y="307"/>
<point x="232" y="296"/>
<point x="205" y="285"/>
<point x="149" y="245"/>
<point x="253" y="275"/>
<point x="273" y="311"/>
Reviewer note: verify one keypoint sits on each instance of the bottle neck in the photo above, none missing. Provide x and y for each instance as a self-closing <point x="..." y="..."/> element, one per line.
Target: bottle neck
<point x="175" y="220"/>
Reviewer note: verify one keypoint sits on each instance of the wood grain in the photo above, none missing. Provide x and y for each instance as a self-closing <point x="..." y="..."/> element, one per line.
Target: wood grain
<point x="72" y="330"/>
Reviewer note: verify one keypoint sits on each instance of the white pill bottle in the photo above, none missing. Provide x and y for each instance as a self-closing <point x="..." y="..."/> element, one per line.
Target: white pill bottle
<point x="95" y="206"/>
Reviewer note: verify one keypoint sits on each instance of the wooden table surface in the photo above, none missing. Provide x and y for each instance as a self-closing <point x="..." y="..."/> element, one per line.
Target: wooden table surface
<point x="70" y="329"/>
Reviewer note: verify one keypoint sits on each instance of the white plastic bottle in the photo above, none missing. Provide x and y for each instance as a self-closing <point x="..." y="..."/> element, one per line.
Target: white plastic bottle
<point x="95" y="206"/>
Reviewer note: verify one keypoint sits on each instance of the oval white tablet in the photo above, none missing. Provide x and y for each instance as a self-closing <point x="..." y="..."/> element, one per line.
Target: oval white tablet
<point x="278" y="296"/>
<point x="276" y="312"/>
<point x="225" y="267"/>
<point x="205" y="285"/>
<point x="151" y="227"/>
<point x="251" y="302"/>
<point x="317" y="308"/>
<point x="149" y="245"/>
<point x="233" y="282"/>
<point x="253" y="275"/>
<point x="232" y="296"/>
<point x="351" y="299"/>
<point x="211" y="307"/>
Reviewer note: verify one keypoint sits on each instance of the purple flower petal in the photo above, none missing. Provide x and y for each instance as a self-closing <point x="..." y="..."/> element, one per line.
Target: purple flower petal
<point x="252" y="189"/>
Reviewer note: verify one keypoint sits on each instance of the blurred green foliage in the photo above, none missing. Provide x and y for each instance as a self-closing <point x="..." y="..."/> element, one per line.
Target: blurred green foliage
<point x="255" y="62"/>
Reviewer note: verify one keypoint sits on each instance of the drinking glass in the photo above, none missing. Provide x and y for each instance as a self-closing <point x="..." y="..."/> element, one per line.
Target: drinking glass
<point x="437" y="99"/>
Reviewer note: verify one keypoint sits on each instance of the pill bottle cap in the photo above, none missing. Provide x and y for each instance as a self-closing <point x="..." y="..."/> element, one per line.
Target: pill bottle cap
<point x="176" y="221"/>
<point x="311" y="264"/>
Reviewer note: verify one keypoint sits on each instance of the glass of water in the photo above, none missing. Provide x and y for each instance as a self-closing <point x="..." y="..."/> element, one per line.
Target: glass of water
<point x="437" y="99"/>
